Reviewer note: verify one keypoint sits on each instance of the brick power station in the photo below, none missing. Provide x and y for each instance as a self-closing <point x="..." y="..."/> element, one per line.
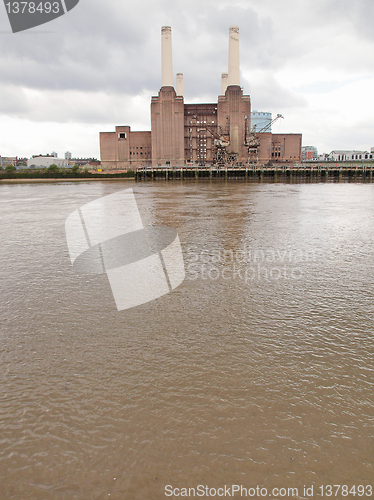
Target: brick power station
<point x="183" y="134"/>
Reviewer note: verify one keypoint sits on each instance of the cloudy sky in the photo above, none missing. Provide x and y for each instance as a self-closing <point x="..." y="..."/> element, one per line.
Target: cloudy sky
<point x="97" y="66"/>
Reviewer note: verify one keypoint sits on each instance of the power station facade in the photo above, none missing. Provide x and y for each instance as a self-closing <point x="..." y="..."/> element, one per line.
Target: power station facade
<point x="197" y="134"/>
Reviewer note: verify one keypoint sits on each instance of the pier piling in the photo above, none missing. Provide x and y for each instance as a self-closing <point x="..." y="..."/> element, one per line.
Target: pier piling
<point x="269" y="173"/>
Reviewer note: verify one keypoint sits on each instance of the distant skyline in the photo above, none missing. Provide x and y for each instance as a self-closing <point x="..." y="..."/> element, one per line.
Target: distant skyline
<point x="98" y="66"/>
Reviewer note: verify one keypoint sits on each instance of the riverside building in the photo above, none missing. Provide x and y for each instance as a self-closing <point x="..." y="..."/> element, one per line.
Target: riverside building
<point x="184" y="133"/>
<point x="353" y="155"/>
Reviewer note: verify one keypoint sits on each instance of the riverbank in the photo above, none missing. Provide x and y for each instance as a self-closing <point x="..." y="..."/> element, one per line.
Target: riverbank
<point x="61" y="179"/>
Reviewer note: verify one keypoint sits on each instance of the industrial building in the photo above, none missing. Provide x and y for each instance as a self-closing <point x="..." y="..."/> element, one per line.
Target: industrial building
<point x="198" y="134"/>
<point x="47" y="161"/>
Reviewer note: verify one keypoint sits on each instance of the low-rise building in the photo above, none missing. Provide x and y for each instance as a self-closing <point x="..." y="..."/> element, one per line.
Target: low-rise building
<point x="350" y="155"/>
<point x="81" y="161"/>
<point x="46" y="161"/>
<point x="8" y="160"/>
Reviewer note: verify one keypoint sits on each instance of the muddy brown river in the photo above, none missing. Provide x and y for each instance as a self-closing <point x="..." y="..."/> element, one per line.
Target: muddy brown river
<point x="257" y="372"/>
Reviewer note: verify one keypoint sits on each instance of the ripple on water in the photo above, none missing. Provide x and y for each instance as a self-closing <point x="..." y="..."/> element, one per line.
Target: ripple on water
<point x="260" y="372"/>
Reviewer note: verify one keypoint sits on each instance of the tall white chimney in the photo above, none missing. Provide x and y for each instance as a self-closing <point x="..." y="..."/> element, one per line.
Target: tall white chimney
<point x="179" y="88"/>
<point x="166" y="58"/>
<point x="224" y="78"/>
<point x="234" y="56"/>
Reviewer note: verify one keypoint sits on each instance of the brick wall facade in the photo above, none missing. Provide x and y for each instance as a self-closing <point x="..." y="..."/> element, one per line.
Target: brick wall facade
<point x="232" y="109"/>
<point x="167" y="125"/>
<point x="200" y="123"/>
<point x="286" y="148"/>
<point x="124" y="149"/>
<point x="184" y="133"/>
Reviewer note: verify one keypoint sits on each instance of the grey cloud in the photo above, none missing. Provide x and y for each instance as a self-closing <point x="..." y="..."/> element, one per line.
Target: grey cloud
<point x="267" y="94"/>
<point x="106" y="46"/>
<point x="114" y="48"/>
<point x="94" y="47"/>
<point x="323" y="87"/>
<point x="358" y="15"/>
<point x="71" y="106"/>
<point x="13" y="101"/>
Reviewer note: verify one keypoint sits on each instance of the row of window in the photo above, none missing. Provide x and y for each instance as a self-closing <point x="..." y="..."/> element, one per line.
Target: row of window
<point x="276" y="155"/>
<point x="367" y="156"/>
<point x="206" y="111"/>
<point x="202" y="122"/>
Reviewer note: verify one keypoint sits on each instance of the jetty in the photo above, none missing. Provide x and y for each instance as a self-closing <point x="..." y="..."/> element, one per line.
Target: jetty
<point x="307" y="171"/>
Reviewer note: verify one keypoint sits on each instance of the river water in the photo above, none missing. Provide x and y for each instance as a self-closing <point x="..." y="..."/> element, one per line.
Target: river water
<point x="258" y="370"/>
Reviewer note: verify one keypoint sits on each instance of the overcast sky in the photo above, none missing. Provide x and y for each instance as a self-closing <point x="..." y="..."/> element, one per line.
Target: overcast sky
<point x="97" y="67"/>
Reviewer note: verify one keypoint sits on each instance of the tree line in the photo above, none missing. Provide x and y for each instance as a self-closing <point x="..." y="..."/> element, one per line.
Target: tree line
<point x="53" y="171"/>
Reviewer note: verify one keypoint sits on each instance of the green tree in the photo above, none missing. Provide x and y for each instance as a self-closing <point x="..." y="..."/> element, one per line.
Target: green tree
<point x="10" y="169"/>
<point x="75" y="170"/>
<point x="53" y="169"/>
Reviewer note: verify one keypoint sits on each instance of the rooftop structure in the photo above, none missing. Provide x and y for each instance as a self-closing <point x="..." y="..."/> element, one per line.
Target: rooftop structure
<point x="260" y="119"/>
